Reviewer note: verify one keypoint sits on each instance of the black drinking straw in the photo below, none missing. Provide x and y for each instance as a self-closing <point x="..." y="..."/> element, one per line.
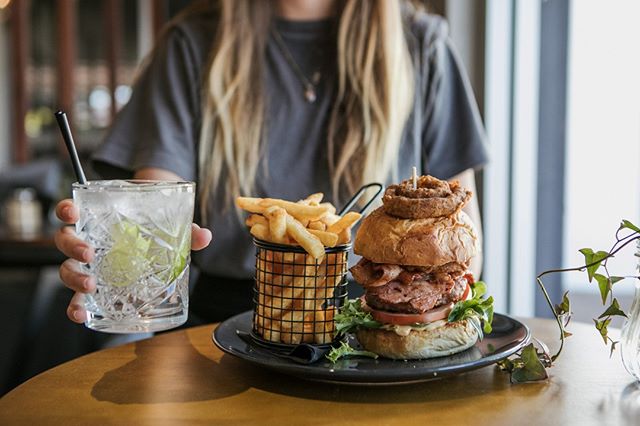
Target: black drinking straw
<point x="61" y="118"/>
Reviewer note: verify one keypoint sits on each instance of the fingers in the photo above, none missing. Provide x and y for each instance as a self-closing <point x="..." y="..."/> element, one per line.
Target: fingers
<point x="67" y="211"/>
<point x="200" y="237"/>
<point x="72" y="246"/>
<point x="73" y="278"/>
<point x="75" y="310"/>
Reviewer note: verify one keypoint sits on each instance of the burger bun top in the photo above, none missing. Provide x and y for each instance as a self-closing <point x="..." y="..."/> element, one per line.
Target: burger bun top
<point x="382" y="238"/>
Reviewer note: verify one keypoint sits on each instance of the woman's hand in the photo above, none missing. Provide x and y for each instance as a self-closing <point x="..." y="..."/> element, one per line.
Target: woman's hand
<point x="79" y="251"/>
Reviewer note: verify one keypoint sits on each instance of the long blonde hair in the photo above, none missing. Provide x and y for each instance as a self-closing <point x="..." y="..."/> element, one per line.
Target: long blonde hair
<point x="373" y="100"/>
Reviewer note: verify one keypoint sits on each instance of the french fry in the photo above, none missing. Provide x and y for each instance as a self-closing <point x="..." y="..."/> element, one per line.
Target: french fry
<point x="256" y="218"/>
<point x="252" y="205"/>
<point x="277" y="223"/>
<point x="329" y="219"/>
<point x="272" y="331"/>
<point x="344" y="236"/>
<point x="346" y="221"/>
<point x="299" y="211"/>
<point x="317" y="225"/>
<point x="313" y="281"/>
<point x="329" y="239"/>
<point x="318" y="327"/>
<point x="291" y="328"/>
<point x="304" y="222"/>
<point x="331" y="207"/>
<point x="308" y="241"/>
<point x="313" y="199"/>
<point x="260" y="231"/>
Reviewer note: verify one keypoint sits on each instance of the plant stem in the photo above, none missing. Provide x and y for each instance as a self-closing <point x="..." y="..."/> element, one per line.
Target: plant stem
<point x="627" y="240"/>
<point x="555" y="314"/>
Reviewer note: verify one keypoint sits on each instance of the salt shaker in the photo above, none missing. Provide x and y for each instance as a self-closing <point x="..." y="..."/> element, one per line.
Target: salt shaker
<point x="24" y="213"/>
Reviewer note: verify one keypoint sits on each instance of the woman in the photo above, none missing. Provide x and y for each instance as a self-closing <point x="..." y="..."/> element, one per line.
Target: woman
<point x="284" y="98"/>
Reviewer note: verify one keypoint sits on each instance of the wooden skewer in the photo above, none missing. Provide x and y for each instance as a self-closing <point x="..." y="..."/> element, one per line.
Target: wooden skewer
<point x="415" y="178"/>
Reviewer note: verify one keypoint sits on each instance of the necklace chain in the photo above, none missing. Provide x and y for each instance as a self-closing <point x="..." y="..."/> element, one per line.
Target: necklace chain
<point x="308" y="86"/>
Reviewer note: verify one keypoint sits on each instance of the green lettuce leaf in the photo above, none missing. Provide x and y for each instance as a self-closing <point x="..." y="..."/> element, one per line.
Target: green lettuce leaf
<point x="352" y="317"/>
<point x="476" y="309"/>
<point x="344" y="350"/>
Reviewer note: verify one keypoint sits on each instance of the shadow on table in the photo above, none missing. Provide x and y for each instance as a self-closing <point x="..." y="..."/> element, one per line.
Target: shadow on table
<point x="177" y="373"/>
<point x="630" y="401"/>
<point x="468" y="385"/>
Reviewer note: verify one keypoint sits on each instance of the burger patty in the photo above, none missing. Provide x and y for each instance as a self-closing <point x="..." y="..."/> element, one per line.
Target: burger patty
<point x="419" y="296"/>
<point x="370" y="274"/>
<point x="410" y="289"/>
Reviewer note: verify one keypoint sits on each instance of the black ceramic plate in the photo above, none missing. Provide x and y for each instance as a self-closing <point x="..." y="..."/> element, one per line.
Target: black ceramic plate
<point x="508" y="336"/>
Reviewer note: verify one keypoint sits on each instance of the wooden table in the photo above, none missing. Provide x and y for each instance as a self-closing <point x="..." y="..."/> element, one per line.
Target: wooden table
<point x="181" y="378"/>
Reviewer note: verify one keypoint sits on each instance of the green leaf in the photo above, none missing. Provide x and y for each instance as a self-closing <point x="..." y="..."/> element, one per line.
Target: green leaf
<point x="629" y="225"/>
<point x="182" y="254"/>
<point x="601" y="326"/>
<point x="593" y="260"/>
<point x="613" y="348"/>
<point x="352" y="317"/>
<point x="565" y="306"/>
<point x="613" y="310"/>
<point x="615" y="279"/>
<point x="345" y="350"/>
<point x="604" y="283"/>
<point x="506" y="365"/>
<point x="479" y="289"/>
<point x="476" y="307"/>
<point x="532" y="368"/>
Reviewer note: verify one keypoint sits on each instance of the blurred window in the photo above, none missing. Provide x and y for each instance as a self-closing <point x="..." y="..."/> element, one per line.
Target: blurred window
<point x="603" y="133"/>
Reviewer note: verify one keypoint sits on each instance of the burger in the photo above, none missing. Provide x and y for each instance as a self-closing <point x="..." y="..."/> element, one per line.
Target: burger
<point x="420" y="300"/>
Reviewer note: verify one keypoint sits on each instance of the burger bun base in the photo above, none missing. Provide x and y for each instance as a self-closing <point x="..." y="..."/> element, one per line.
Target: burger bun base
<point x="446" y="340"/>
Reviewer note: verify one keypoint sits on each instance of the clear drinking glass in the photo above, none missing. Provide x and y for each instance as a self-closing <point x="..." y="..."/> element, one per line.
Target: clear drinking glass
<point x="630" y="342"/>
<point x="141" y="233"/>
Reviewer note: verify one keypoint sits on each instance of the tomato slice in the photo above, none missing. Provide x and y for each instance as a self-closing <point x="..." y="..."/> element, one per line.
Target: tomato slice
<point x="466" y="292"/>
<point x="396" y="318"/>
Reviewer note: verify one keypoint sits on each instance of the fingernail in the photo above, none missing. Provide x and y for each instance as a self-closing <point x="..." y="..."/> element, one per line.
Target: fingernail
<point x="66" y="211"/>
<point x="86" y="283"/>
<point x="80" y="252"/>
<point x="76" y="315"/>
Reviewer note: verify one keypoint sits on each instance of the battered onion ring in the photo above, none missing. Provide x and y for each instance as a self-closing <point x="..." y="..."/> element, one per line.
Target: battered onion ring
<point x="432" y="198"/>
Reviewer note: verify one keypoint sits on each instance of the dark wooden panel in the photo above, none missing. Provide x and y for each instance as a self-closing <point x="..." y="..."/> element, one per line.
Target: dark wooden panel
<point x="19" y="94"/>
<point x="436" y="6"/>
<point x="113" y="39"/>
<point x="159" y="15"/>
<point x="66" y="32"/>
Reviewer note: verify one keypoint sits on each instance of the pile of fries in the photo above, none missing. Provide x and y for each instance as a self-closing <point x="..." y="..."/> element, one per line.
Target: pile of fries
<point x="309" y="223"/>
<point x="294" y="288"/>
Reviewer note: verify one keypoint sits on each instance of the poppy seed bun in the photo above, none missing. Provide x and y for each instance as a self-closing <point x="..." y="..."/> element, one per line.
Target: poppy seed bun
<point x="446" y="340"/>
<point x="382" y="238"/>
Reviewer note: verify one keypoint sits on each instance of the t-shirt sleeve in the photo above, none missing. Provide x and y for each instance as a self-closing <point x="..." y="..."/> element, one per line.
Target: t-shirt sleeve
<point x="158" y="126"/>
<point x="453" y="138"/>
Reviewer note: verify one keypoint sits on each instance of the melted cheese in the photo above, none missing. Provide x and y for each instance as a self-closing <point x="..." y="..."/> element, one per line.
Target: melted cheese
<point x="404" y="330"/>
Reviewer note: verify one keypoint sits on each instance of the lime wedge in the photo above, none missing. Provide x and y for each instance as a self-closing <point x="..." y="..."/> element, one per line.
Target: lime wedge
<point x="127" y="260"/>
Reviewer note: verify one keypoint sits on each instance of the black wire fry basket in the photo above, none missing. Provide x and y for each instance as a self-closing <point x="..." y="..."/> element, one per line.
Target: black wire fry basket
<point x="296" y="296"/>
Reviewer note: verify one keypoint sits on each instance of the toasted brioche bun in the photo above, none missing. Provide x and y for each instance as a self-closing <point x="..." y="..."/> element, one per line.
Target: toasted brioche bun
<point x="446" y="340"/>
<point x="382" y="238"/>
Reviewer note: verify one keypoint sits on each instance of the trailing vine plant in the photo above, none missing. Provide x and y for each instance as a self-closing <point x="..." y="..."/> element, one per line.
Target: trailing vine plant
<point x="531" y="363"/>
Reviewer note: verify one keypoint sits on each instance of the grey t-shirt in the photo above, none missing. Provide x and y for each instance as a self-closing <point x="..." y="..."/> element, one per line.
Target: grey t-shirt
<point x="159" y="127"/>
